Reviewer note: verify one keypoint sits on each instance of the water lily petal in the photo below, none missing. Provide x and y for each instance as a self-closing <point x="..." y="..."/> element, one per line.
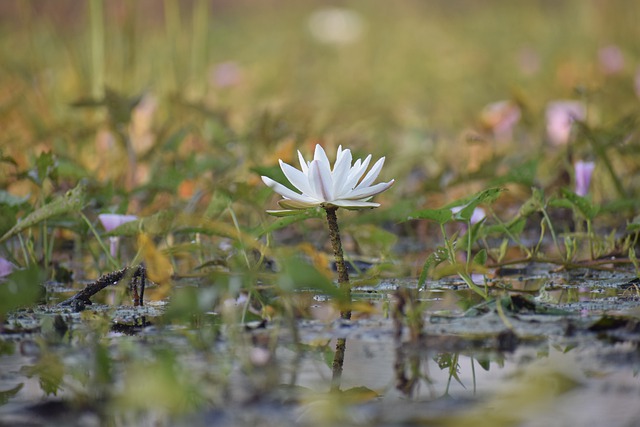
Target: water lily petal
<point x="341" y="170"/>
<point x="303" y="163"/>
<point x="355" y="204"/>
<point x="354" y="175"/>
<point x="286" y="192"/>
<point x="321" y="155"/>
<point x="321" y="185"/>
<point x="372" y="175"/>
<point x="297" y="204"/>
<point x="295" y="177"/>
<point x="320" y="180"/>
<point x="361" y="193"/>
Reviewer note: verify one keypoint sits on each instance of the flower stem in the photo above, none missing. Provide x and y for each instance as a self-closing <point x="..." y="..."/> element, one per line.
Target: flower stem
<point x="343" y="275"/>
<point x="343" y="281"/>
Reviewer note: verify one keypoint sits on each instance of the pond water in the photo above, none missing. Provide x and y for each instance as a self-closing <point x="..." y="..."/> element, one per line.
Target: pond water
<point x="563" y="350"/>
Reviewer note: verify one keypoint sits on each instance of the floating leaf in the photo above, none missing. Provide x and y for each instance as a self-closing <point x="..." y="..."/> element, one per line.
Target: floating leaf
<point x="50" y="372"/>
<point x="6" y="395"/>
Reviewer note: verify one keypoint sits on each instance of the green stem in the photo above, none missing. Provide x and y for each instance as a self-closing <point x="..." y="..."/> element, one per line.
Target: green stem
<point x="343" y="281"/>
<point x="336" y="244"/>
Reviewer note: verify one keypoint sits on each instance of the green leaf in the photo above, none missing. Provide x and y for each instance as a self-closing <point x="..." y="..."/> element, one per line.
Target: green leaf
<point x="480" y="258"/>
<point x="634" y="225"/>
<point x="298" y="274"/>
<point x="432" y="261"/>
<point x="72" y="201"/>
<point x="441" y="216"/>
<point x="289" y="217"/>
<point x="46" y="167"/>
<point x="6" y="395"/>
<point x="50" y="372"/>
<point x="22" y="288"/>
<point x="582" y="204"/>
<point x="219" y="202"/>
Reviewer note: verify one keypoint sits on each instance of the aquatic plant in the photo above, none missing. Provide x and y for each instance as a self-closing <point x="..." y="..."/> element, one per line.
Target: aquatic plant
<point x="346" y="186"/>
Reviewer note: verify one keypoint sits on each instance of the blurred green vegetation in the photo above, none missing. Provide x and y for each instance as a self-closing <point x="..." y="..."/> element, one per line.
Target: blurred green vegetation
<point x="171" y="110"/>
<point x="179" y="106"/>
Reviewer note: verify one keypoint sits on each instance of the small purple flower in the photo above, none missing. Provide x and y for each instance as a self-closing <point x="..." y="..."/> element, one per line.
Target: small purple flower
<point x="111" y="222"/>
<point x="6" y="268"/>
<point x="560" y="118"/>
<point x="583" y="172"/>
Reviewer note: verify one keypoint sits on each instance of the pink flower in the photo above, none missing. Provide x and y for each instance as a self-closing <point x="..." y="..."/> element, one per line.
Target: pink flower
<point x="501" y="117"/>
<point x="113" y="221"/>
<point x="560" y="118"/>
<point x="611" y="59"/>
<point x="6" y="268"/>
<point x="583" y="172"/>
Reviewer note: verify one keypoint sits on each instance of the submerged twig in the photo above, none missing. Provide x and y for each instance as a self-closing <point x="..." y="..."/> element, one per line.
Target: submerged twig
<point x="132" y="274"/>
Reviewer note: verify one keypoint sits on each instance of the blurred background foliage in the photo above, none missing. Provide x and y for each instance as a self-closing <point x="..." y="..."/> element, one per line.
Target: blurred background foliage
<point x="181" y="105"/>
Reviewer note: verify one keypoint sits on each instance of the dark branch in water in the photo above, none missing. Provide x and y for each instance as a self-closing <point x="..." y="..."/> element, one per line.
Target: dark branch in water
<point x="133" y="275"/>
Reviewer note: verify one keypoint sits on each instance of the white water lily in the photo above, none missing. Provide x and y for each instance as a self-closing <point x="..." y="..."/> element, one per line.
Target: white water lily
<point x="319" y="185"/>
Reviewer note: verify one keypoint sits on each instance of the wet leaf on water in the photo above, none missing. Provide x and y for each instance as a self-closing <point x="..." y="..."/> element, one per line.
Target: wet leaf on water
<point x="72" y="201"/>
<point x="6" y="395"/>
<point x="608" y="323"/>
<point x="50" y="372"/>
